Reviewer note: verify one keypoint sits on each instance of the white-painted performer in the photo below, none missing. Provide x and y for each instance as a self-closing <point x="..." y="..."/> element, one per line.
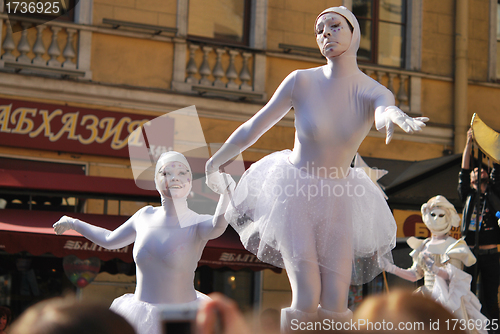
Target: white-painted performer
<point x="168" y="243"/>
<point x="440" y="260"/>
<point x="306" y="210"/>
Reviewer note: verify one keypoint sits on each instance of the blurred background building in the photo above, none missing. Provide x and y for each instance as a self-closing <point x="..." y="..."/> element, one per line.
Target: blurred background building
<point x="74" y="87"/>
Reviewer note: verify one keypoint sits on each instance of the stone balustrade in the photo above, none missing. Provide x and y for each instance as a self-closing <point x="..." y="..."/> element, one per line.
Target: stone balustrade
<point x="48" y="48"/>
<point x="220" y="71"/>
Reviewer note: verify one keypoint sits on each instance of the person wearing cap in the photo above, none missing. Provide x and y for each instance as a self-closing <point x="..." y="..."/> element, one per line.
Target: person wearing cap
<point x="489" y="232"/>
<point x="306" y="210"/>
<point x="168" y="243"/>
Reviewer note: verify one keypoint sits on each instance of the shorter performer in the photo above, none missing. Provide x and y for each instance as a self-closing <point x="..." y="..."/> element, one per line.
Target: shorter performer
<point x="440" y="259"/>
<point x="168" y="243"/>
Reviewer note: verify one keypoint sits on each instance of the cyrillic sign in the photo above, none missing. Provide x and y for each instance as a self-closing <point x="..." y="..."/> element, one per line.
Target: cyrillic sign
<point x="70" y="129"/>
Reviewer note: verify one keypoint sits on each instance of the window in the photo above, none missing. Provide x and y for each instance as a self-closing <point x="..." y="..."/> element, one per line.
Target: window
<point x="383" y="31"/>
<point x="225" y="21"/>
<point x="43" y="9"/>
<point x="237" y="285"/>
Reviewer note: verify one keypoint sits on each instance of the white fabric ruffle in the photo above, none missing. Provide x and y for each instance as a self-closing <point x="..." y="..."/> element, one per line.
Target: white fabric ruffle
<point x="144" y="317"/>
<point x="280" y="212"/>
<point x="456" y="293"/>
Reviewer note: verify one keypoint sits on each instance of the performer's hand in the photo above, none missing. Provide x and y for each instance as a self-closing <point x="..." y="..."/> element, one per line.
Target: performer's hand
<point x="385" y="265"/>
<point x="386" y="118"/>
<point x="63" y="224"/>
<point x="232" y="320"/>
<point x="430" y="263"/>
<point x="220" y="182"/>
<point x="470" y="135"/>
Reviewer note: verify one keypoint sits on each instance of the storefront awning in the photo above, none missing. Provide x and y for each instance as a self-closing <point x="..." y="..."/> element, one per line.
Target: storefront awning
<point x="32" y="232"/>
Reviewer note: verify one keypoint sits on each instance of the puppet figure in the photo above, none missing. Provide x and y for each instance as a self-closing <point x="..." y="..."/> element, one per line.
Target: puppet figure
<point x="439" y="260"/>
<point x="168" y="243"/>
<point x="306" y="210"/>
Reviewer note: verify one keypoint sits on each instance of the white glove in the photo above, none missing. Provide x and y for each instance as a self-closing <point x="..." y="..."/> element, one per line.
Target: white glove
<point x="386" y="118"/>
<point x="220" y="182"/>
<point x="385" y="265"/>
<point x="430" y="264"/>
<point x="64" y="224"/>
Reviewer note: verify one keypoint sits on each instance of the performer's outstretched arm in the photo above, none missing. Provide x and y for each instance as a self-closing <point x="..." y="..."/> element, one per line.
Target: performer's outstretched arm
<point x="412" y="274"/>
<point x="214" y="228"/>
<point x="250" y="131"/>
<point x="121" y="237"/>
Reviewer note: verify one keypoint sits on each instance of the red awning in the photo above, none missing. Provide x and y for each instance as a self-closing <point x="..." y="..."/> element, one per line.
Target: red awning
<point x="89" y="186"/>
<point x="31" y="231"/>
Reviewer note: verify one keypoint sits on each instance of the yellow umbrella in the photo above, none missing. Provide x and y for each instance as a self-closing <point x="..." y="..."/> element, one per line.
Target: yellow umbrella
<point x="486" y="138"/>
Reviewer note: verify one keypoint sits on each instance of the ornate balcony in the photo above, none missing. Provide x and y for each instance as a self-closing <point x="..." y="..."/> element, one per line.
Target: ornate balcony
<point x="49" y="48"/>
<point x="223" y="71"/>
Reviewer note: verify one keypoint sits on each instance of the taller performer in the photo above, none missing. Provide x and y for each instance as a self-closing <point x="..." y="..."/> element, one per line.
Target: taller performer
<point x="306" y="210"/>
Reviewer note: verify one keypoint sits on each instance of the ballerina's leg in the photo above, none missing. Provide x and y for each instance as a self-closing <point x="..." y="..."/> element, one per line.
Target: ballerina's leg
<point x="335" y="284"/>
<point x="334" y="290"/>
<point x="305" y="281"/>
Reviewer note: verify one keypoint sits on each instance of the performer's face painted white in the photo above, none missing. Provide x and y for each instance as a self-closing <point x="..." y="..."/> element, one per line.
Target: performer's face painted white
<point x="437" y="221"/>
<point x="332" y="34"/>
<point x="439" y="215"/>
<point x="174" y="180"/>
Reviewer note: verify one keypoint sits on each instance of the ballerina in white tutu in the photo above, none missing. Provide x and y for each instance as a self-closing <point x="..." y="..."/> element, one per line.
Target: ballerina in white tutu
<point x="306" y="210"/>
<point x="168" y="243"/>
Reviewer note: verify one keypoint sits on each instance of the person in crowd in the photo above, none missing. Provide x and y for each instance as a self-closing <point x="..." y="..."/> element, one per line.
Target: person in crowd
<point x="5" y="319"/>
<point x="65" y="315"/>
<point x="269" y="321"/>
<point x="296" y="209"/>
<point x="405" y="312"/>
<point x="168" y="243"/>
<point x="486" y="250"/>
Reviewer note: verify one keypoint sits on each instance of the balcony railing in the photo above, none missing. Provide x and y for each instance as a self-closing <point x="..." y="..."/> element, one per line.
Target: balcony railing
<point x="222" y="71"/>
<point x="397" y="81"/>
<point x="50" y="48"/>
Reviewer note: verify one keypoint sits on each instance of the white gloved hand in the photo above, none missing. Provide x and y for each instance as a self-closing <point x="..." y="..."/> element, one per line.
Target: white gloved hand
<point x="430" y="264"/>
<point x="387" y="117"/>
<point x="385" y="265"/>
<point x="64" y="224"/>
<point x="220" y="182"/>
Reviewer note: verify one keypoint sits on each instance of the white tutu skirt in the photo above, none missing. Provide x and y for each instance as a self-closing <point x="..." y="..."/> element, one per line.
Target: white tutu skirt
<point x="283" y="214"/>
<point x="144" y="317"/>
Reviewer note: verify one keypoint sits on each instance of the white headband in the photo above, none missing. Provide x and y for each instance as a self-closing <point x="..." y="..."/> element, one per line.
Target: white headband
<point x="171" y="156"/>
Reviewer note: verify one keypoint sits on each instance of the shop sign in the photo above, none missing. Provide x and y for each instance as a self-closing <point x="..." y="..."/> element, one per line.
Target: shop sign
<point x="90" y="246"/>
<point x="71" y="129"/>
<point x="238" y="257"/>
